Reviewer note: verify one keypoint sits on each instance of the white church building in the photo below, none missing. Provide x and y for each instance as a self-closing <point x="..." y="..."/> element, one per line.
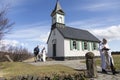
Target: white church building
<point x="67" y="42"/>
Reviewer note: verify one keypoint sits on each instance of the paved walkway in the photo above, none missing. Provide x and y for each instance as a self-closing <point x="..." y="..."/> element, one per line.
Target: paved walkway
<point x="77" y="64"/>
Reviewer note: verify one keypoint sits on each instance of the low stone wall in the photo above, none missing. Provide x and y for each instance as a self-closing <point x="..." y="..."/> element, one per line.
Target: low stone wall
<point x="68" y="58"/>
<point x="54" y="77"/>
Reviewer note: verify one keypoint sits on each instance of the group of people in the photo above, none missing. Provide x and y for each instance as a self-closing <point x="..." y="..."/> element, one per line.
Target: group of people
<point x="39" y="56"/>
<point x="106" y="57"/>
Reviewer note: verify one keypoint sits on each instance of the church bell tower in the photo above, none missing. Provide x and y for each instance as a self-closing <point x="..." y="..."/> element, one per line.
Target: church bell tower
<point x="58" y="16"/>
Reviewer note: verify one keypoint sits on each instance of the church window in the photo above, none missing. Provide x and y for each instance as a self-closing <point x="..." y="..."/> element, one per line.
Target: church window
<point x="54" y="41"/>
<point x="94" y="46"/>
<point x="85" y="45"/>
<point x="60" y="19"/>
<point x="74" y="44"/>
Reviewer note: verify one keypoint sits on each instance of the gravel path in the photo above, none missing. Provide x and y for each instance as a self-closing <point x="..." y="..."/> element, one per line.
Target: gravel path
<point x="77" y="64"/>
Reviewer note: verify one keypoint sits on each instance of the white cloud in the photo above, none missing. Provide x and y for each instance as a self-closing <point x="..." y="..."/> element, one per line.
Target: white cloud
<point x="12" y="3"/>
<point x="42" y="37"/>
<point x="100" y="5"/>
<point x="13" y="43"/>
<point x="11" y="6"/>
<point x="110" y="33"/>
<point x="5" y="44"/>
<point x="30" y="35"/>
<point x="88" y="23"/>
<point x="95" y="22"/>
<point x="9" y="42"/>
<point x="33" y="32"/>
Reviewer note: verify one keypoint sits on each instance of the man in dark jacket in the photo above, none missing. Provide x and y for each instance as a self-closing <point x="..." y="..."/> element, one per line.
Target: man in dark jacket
<point x="36" y="52"/>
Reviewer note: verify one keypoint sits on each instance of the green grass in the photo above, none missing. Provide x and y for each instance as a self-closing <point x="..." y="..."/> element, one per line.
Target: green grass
<point x="116" y="59"/>
<point x="11" y="69"/>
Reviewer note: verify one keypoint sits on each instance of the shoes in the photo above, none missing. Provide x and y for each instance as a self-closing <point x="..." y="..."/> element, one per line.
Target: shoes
<point x="115" y="72"/>
<point x="104" y="71"/>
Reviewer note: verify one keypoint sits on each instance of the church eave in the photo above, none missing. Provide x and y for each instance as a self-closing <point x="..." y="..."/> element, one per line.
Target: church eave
<point x="81" y="39"/>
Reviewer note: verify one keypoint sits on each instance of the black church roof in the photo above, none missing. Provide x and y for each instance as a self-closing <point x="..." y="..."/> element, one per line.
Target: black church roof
<point x="79" y="34"/>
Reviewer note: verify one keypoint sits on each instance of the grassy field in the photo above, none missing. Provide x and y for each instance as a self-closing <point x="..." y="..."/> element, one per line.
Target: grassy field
<point x="116" y="61"/>
<point x="11" y="69"/>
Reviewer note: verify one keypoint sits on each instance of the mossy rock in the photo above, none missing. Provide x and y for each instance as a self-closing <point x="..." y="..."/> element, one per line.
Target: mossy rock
<point x="89" y="55"/>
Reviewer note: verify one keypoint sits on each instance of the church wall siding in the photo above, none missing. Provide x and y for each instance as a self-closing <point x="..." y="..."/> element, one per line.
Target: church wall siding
<point x="60" y="44"/>
<point x="50" y="45"/>
<point x="76" y="52"/>
<point x="59" y="41"/>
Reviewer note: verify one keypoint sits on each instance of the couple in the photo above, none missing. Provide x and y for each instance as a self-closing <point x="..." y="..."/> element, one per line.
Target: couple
<point x="106" y="57"/>
<point x="42" y="56"/>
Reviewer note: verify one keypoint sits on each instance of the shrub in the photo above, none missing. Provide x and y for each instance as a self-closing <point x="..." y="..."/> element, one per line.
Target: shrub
<point x="115" y="53"/>
<point x="75" y="76"/>
<point x="16" y="54"/>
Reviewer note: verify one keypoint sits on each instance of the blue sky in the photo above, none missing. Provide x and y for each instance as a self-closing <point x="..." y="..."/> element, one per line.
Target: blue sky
<point x="33" y="21"/>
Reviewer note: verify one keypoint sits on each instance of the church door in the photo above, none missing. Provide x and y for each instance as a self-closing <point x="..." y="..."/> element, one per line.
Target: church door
<point x="54" y="50"/>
